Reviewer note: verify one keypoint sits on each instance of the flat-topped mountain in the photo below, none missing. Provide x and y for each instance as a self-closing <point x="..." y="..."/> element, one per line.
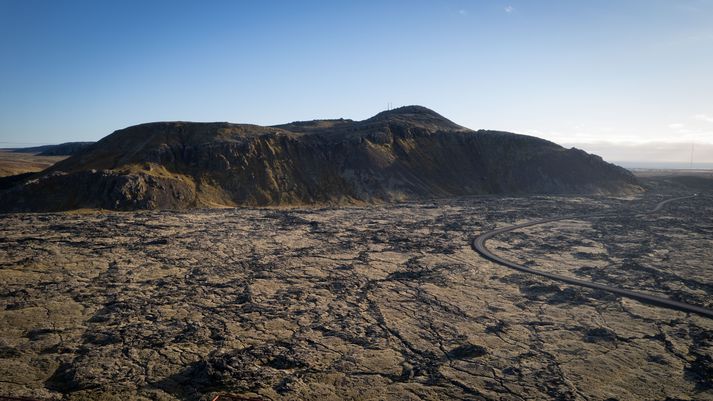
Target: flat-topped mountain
<point x="402" y="154"/>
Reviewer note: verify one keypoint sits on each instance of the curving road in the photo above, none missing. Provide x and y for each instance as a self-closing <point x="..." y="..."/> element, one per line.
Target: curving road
<point x="481" y="248"/>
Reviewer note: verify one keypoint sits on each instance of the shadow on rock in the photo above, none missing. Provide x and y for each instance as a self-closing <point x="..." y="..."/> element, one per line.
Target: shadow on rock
<point x="243" y="371"/>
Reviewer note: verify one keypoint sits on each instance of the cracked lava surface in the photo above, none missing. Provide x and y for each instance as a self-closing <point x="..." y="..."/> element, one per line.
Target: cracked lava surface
<point x="363" y="303"/>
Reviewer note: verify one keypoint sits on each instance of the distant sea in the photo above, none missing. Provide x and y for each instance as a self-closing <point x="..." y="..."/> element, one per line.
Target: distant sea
<point x="666" y="165"/>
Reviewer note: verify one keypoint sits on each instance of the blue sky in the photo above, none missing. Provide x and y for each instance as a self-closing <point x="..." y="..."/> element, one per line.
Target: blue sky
<point x="627" y="73"/>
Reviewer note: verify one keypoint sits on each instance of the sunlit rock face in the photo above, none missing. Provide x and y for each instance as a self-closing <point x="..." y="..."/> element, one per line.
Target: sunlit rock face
<point x="408" y="153"/>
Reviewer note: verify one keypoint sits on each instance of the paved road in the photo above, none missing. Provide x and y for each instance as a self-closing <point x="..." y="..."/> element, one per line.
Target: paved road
<point x="481" y="248"/>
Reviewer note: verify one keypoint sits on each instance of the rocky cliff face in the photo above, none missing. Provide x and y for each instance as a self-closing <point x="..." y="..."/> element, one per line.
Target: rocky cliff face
<point x="403" y="154"/>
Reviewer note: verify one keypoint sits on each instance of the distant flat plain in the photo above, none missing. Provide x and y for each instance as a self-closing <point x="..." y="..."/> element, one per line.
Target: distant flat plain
<point x="12" y="163"/>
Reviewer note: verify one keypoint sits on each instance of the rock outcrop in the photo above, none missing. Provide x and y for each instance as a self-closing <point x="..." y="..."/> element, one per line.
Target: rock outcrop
<point x="403" y="154"/>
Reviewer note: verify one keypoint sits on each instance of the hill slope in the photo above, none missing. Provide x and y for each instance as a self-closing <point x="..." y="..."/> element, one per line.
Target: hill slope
<point x="402" y="154"/>
<point x="62" y="149"/>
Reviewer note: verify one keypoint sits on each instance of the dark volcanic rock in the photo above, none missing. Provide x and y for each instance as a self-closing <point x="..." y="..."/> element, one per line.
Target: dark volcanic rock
<point x="97" y="189"/>
<point x="403" y="154"/>
<point x="467" y="351"/>
<point x="319" y="304"/>
<point x="599" y="334"/>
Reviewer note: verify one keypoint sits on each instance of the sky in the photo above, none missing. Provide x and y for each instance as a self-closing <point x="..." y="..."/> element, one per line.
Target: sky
<point x="624" y="78"/>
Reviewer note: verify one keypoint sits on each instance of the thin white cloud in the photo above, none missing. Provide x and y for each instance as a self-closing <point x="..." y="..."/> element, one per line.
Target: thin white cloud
<point x="685" y="40"/>
<point x="679" y="134"/>
<point x="508" y="9"/>
<point x="649" y="152"/>
<point x="703" y="117"/>
<point x="680" y="128"/>
<point x="462" y="12"/>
